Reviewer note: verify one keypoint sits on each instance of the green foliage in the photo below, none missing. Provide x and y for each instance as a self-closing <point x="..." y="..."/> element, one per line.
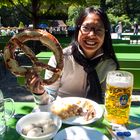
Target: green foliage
<point x="73" y="13"/>
<point x="131" y="8"/>
<point x="126" y="11"/>
<point x="7" y="3"/>
<point x="124" y="19"/>
<point x="92" y="2"/>
<point x="21" y="25"/>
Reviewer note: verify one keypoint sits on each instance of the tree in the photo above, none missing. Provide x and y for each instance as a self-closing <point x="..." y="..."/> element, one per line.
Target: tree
<point x="130" y="8"/>
<point x="35" y="9"/>
<point x="74" y="9"/>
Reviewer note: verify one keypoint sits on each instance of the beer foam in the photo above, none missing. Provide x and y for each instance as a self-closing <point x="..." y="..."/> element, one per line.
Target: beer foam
<point x="120" y="81"/>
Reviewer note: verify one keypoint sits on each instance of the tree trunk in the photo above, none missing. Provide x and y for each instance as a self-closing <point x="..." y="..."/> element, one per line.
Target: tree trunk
<point x="35" y="16"/>
<point x="103" y="4"/>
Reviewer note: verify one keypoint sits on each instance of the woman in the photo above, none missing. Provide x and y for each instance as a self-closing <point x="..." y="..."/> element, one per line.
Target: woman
<point x="86" y="61"/>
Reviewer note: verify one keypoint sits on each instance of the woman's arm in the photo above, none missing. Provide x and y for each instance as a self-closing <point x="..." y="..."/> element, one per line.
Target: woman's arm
<point x="42" y="94"/>
<point x="35" y="86"/>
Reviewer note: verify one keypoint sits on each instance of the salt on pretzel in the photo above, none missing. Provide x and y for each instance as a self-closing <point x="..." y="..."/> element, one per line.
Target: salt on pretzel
<point x="48" y="40"/>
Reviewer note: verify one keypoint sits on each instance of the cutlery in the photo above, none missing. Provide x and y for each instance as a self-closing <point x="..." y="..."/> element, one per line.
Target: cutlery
<point x="114" y="137"/>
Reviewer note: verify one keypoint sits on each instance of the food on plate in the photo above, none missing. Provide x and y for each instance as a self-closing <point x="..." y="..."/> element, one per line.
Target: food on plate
<point x="48" y="40"/>
<point x="66" y="110"/>
<point x="39" y="128"/>
<point x="35" y="132"/>
<point x="27" y="128"/>
<point x="49" y="128"/>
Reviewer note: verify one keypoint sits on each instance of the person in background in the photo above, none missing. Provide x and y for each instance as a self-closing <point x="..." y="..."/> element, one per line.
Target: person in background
<point x="135" y="26"/>
<point x="3" y="32"/>
<point x="87" y="61"/>
<point x="119" y="30"/>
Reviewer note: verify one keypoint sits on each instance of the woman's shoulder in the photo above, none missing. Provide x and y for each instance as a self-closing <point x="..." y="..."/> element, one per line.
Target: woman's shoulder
<point x="107" y="63"/>
<point x="67" y="51"/>
<point x="104" y="67"/>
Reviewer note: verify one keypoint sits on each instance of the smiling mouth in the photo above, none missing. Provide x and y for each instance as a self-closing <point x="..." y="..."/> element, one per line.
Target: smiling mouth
<point x="90" y="43"/>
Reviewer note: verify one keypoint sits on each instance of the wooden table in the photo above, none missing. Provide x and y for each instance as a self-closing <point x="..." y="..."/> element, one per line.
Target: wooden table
<point x="26" y="107"/>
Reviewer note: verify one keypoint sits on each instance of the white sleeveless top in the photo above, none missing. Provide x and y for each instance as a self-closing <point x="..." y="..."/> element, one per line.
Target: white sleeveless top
<point x="73" y="80"/>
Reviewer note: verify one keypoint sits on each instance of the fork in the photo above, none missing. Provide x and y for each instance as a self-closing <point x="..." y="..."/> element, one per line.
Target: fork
<point x="113" y="135"/>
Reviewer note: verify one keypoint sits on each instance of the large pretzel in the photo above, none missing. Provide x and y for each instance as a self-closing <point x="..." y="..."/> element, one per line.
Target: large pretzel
<point x="48" y="40"/>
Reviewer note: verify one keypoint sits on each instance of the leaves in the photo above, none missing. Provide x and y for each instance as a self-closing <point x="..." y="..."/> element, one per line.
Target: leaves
<point x="36" y="9"/>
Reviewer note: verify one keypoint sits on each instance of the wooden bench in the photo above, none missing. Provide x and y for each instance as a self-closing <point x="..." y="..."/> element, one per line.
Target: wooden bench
<point x="134" y="38"/>
<point x="126" y="48"/>
<point x="125" y="36"/>
<point x="128" y="62"/>
<point x="119" y="41"/>
<point x="44" y="56"/>
<point x="131" y="62"/>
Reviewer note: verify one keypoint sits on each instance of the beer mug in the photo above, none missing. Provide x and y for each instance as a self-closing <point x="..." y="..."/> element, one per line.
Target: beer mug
<point x="119" y="86"/>
<point x="5" y="113"/>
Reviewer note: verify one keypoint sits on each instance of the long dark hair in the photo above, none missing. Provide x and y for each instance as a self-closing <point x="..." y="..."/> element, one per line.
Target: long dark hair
<point x="107" y="45"/>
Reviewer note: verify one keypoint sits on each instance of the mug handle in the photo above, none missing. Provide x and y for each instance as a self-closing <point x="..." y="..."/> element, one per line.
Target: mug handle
<point x="9" y="112"/>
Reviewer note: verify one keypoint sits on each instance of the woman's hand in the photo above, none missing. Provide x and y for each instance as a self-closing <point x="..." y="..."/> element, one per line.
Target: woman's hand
<point x="34" y="82"/>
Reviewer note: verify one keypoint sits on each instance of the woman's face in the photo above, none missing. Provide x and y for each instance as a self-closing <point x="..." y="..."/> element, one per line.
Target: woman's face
<point x="91" y="35"/>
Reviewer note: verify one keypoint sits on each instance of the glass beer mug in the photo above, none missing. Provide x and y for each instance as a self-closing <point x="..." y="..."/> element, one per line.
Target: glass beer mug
<point x="119" y="86"/>
<point x="5" y="112"/>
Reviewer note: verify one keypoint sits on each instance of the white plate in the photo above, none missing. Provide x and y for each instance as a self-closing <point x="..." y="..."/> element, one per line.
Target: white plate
<point x="80" y="133"/>
<point x="78" y="120"/>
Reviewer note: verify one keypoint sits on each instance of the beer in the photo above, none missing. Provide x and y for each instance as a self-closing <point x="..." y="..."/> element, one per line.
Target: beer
<point x="119" y="86"/>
